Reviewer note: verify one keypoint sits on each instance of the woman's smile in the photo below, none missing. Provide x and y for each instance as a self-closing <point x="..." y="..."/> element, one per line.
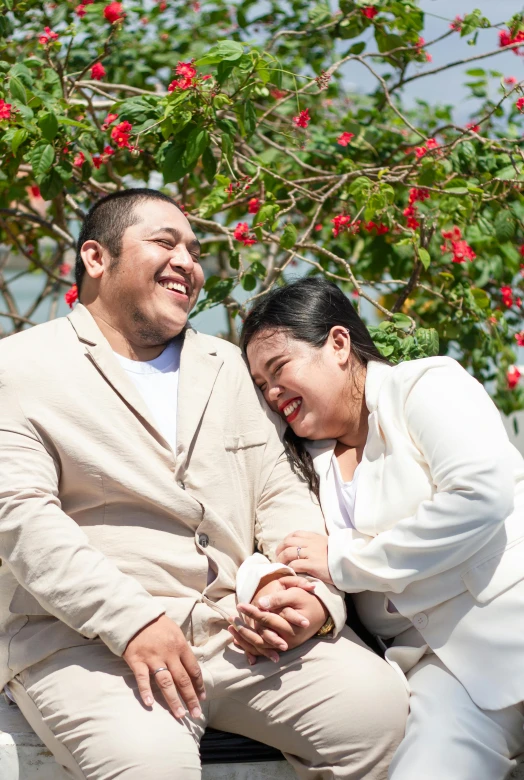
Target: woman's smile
<point x="290" y="408"/>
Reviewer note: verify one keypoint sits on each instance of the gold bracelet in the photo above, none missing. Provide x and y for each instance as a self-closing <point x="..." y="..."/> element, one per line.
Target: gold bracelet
<point x="327" y="628"/>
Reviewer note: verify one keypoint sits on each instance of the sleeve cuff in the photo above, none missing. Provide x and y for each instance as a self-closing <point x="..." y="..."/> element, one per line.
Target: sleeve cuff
<point x="252" y="571"/>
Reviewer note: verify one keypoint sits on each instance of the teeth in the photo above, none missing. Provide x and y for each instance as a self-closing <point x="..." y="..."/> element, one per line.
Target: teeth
<point x="173" y="286"/>
<point x="290" y="408"/>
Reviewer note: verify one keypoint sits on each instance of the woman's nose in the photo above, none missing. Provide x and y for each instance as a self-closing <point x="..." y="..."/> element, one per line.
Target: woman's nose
<point x="274" y="392"/>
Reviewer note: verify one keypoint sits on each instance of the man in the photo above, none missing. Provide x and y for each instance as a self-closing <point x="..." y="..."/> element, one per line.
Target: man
<point x="137" y="471"/>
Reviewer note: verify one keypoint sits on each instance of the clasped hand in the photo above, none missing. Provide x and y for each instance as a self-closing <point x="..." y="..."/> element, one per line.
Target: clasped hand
<point x="285" y="614"/>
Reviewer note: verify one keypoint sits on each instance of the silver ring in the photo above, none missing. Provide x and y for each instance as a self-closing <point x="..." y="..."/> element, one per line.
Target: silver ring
<point x="161" y="669"/>
<point x="298" y="551"/>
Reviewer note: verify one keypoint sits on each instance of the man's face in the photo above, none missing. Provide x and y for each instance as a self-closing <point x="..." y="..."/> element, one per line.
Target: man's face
<point x="150" y="289"/>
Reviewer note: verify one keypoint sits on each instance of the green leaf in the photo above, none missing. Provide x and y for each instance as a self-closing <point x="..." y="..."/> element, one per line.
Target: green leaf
<point x="249" y="282"/>
<point x="456" y="190"/>
<point x="234" y="260"/>
<point x="48" y="124"/>
<point x="425" y="257"/>
<point x="289" y="236"/>
<point x="505" y="226"/>
<point x="428" y="341"/>
<point x="41" y="159"/>
<point x="228" y="51"/>
<point x="481" y="297"/>
<point x="19" y="136"/>
<point x="51" y="184"/>
<point x="209" y="164"/>
<point x="64" y="120"/>
<point x="250" y="118"/>
<point x="357" y="48"/>
<point x="173" y="167"/>
<point x="197" y="141"/>
<point x="17" y="90"/>
<point x="402" y="321"/>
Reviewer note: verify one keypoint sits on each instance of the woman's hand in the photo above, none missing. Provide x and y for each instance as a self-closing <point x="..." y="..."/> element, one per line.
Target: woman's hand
<point x="306" y="553"/>
<point x="261" y="632"/>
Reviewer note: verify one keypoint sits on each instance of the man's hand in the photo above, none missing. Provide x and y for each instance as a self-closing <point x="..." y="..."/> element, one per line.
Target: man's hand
<point x="283" y="615"/>
<point x="162" y="644"/>
<point x="307" y="553"/>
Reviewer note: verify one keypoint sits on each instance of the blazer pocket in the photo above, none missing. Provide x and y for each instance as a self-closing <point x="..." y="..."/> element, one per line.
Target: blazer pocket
<point x="23" y="603"/>
<point x="496" y="574"/>
<point x="242" y="441"/>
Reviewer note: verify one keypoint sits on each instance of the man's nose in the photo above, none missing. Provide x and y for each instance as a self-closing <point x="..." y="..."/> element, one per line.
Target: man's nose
<point x="181" y="258"/>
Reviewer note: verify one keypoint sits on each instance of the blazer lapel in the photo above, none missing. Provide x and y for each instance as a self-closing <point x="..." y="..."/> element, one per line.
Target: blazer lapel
<point x="100" y="353"/>
<point x="199" y="368"/>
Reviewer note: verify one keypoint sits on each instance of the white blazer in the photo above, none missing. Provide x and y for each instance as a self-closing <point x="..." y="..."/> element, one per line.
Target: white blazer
<point x="439" y="527"/>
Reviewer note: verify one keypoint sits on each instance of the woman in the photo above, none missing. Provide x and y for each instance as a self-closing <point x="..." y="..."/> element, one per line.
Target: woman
<point x="423" y="497"/>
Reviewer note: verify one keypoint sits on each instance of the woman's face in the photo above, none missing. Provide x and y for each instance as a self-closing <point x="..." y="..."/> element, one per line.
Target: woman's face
<point x="307" y="386"/>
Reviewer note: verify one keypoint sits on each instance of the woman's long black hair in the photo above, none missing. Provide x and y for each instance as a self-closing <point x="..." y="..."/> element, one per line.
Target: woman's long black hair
<point x="307" y="310"/>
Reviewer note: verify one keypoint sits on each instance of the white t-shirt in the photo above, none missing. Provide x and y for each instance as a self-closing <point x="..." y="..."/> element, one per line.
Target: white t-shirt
<point x="157" y="382"/>
<point x="346" y="493"/>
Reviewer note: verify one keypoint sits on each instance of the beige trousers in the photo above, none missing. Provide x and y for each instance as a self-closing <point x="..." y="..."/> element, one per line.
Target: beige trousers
<point x="332" y="707"/>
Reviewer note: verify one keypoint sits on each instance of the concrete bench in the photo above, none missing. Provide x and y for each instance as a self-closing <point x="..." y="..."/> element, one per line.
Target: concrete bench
<point x="23" y="757"/>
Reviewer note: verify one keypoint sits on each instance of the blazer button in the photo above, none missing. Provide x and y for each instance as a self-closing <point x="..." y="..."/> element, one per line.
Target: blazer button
<point x="420" y="620"/>
<point x="203" y="540"/>
<point x="181" y="484"/>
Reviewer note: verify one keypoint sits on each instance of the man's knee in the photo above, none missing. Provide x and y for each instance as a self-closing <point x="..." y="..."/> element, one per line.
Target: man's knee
<point x="149" y="759"/>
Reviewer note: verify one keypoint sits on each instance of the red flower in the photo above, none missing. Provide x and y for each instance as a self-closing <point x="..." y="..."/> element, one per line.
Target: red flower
<point x="64" y="269"/>
<point x="519" y="338"/>
<point x="520" y="104"/>
<point x="513" y="375"/>
<point x="71" y="296"/>
<point x="473" y="127"/>
<point x="162" y="5"/>
<point x="458" y="246"/>
<point x="507" y="295"/>
<point x="120" y="134"/>
<point x="79" y="160"/>
<point x="411" y="213"/>
<point x="114" y="12"/>
<point x="206" y="77"/>
<point x="432" y="144"/>
<point x="510" y="80"/>
<point x="80" y="10"/>
<point x="47" y="36"/>
<point x="241" y="233"/>
<point x="5" y="110"/>
<point x="370" y="12"/>
<point x="110" y="118"/>
<point x="420" y="151"/>
<point x="98" y="71"/>
<point x="380" y="227"/>
<point x="97" y="161"/>
<point x="340" y="222"/>
<point x="186" y="69"/>
<point x="345" y="138"/>
<point x="183" y="83"/>
<point x="303" y="119"/>
<point x="277" y="94"/>
<point x="34" y="191"/>
<point x="253" y="206"/>
<point x="505" y="39"/>
<point x="318" y="226"/>
<point x="418" y="193"/>
<point x="195" y="6"/>
<point x="456" y="24"/>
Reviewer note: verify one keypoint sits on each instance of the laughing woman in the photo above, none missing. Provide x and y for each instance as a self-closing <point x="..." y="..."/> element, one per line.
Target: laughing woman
<point x="423" y="497"/>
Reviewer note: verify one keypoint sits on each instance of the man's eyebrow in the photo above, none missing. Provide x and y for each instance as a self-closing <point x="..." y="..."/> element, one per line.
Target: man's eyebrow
<point x="176" y="236"/>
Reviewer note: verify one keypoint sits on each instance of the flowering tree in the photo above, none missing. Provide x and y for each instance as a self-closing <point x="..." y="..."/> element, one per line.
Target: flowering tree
<point x="242" y="113"/>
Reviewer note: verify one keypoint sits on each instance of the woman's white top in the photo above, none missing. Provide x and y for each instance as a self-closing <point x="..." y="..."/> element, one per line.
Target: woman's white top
<point x="346" y="494"/>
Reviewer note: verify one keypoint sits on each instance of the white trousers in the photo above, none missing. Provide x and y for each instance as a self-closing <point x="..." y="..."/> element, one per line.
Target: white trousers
<point x="448" y="737"/>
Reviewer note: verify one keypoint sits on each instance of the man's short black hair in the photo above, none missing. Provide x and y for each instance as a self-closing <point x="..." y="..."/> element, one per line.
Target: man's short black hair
<point x="109" y="218"/>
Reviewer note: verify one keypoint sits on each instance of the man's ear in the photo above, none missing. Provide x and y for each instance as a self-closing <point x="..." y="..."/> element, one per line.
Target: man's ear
<point x="94" y="258"/>
<point x="341" y="343"/>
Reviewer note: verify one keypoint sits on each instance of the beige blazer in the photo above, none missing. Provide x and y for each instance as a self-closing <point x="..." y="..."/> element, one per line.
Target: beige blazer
<point x="439" y="526"/>
<point x="102" y="526"/>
